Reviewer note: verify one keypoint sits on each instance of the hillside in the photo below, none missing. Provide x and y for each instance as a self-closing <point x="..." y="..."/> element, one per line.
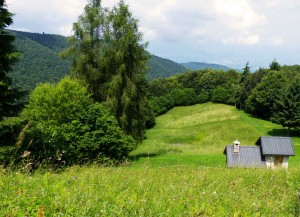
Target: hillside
<point x="163" y="68"/>
<point x="197" y="135"/>
<point x="203" y="65"/>
<point x="40" y="61"/>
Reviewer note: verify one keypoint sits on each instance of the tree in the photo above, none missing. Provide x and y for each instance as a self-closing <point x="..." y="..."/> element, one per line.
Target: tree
<point x="262" y="97"/>
<point x="127" y="60"/>
<point x="66" y="127"/>
<point x="286" y="108"/>
<point x="88" y="48"/>
<point x="110" y="57"/>
<point x="9" y="97"/>
<point x="275" y="65"/>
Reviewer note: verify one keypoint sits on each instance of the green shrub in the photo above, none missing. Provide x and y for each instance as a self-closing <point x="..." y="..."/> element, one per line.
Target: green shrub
<point x="65" y="127"/>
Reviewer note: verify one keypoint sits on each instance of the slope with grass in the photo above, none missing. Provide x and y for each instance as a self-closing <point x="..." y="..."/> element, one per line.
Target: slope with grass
<point x="197" y="135"/>
<point x="179" y="170"/>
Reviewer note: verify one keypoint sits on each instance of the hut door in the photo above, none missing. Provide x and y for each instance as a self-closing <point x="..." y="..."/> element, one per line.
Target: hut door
<point x="278" y="160"/>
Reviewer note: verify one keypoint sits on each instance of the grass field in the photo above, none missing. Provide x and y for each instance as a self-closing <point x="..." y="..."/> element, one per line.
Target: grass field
<point x="179" y="170"/>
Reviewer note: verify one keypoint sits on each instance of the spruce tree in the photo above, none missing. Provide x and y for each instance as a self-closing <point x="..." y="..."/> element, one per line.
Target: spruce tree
<point x="9" y="97"/>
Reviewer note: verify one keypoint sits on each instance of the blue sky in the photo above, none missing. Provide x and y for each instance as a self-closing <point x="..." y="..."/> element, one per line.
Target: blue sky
<point x="228" y="32"/>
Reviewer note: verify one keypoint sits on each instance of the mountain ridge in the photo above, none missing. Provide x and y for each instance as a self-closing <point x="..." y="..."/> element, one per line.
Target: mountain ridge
<point x="40" y="61"/>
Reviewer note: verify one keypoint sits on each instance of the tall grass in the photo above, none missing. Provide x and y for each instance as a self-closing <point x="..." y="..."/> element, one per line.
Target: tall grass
<point x="161" y="191"/>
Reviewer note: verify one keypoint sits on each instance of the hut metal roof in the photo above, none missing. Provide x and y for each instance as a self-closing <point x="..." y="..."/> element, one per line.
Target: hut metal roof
<point x="282" y="146"/>
<point x="249" y="156"/>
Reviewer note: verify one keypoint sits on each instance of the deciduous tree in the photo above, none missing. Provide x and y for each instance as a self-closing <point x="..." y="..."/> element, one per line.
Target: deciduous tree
<point x="286" y="108"/>
<point x="109" y="55"/>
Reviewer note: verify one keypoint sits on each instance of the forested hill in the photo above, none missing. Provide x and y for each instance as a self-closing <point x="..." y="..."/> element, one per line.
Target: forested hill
<point x="40" y="61"/>
<point x="203" y="65"/>
<point x="163" y="68"/>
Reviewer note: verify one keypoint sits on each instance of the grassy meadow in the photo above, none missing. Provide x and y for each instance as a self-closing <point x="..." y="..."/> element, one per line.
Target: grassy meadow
<point x="179" y="170"/>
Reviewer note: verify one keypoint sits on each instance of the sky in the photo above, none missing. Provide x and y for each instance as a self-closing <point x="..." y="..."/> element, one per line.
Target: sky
<point x="227" y="32"/>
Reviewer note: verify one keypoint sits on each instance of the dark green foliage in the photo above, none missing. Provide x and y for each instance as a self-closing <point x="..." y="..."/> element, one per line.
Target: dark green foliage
<point x="163" y="68"/>
<point x="184" y="97"/>
<point x="261" y="100"/>
<point x="162" y="104"/>
<point x="9" y="97"/>
<point x="127" y="64"/>
<point x="220" y="95"/>
<point x="65" y="127"/>
<point x="10" y="128"/>
<point x="149" y="115"/>
<point x="286" y="107"/>
<point x="203" y="96"/>
<point x="193" y="87"/>
<point x="249" y="83"/>
<point x="275" y="65"/>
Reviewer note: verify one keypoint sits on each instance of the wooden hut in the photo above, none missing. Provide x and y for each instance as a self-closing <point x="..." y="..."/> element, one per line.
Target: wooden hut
<point x="270" y="152"/>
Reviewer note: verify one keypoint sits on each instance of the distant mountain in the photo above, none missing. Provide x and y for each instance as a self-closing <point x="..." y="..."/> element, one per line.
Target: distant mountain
<point x="203" y="65"/>
<point x="40" y="61"/>
<point x="163" y="68"/>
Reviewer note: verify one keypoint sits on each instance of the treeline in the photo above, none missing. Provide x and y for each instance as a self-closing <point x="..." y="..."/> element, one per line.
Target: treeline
<point x="272" y="94"/>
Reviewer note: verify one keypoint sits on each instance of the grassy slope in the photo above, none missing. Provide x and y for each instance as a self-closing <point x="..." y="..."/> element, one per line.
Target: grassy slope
<point x="197" y="135"/>
<point x="168" y="177"/>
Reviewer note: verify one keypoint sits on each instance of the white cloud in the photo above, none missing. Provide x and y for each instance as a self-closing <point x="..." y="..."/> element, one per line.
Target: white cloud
<point x="238" y="13"/>
<point x="245" y="39"/>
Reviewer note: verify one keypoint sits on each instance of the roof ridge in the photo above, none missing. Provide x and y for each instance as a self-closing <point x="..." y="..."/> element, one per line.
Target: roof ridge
<point x="279" y="137"/>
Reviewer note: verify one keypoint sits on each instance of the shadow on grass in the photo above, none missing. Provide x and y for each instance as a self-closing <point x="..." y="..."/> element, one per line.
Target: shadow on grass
<point x="136" y="157"/>
<point x="284" y="132"/>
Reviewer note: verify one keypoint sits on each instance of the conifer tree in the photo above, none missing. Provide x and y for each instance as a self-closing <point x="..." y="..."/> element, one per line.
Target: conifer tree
<point x="9" y="97"/>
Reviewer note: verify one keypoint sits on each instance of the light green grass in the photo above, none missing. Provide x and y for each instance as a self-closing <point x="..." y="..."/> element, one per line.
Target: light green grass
<point x="197" y="135"/>
<point x="161" y="191"/>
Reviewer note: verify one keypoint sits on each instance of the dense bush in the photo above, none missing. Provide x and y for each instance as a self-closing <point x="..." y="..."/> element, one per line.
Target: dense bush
<point x="65" y="127"/>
